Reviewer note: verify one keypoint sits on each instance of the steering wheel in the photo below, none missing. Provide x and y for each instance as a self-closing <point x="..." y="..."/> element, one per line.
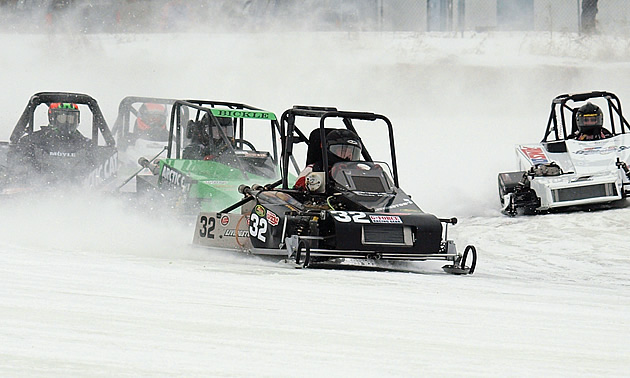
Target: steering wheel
<point x="245" y="142"/>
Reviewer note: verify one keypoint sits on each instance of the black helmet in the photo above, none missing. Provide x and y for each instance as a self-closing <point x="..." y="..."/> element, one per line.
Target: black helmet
<point x="589" y="119"/>
<point x="227" y="127"/>
<point x="344" y="144"/>
<point x="211" y="130"/>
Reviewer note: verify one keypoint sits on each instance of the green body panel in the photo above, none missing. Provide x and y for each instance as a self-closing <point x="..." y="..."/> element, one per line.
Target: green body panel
<point x="205" y="185"/>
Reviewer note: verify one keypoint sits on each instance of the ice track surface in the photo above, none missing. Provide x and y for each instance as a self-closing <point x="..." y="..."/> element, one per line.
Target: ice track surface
<point x="91" y="287"/>
<point x="74" y="301"/>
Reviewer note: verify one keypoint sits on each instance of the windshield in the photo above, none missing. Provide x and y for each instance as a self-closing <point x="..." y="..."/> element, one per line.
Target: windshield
<point x="363" y="176"/>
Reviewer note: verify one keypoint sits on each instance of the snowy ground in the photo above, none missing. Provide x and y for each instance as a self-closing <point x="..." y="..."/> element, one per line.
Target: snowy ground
<point x="92" y="288"/>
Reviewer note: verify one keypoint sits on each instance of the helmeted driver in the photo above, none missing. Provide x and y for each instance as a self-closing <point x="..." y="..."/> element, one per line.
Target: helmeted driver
<point x="206" y="140"/>
<point x="224" y="127"/>
<point x="590" y="119"/>
<point x="343" y="145"/>
<point x="60" y="139"/>
<point x="64" y="118"/>
<point x="151" y="122"/>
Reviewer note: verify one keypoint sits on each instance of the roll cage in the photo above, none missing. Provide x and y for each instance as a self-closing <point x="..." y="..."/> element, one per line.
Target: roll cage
<point x="291" y="135"/>
<point x="217" y="109"/>
<point x="565" y="106"/>
<point x="126" y="109"/>
<point x="25" y="124"/>
<point x="238" y="112"/>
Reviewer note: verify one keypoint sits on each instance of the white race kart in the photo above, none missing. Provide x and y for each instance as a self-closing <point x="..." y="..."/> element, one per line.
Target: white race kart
<point x="134" y="145"/>
<point x="561" y="172"/>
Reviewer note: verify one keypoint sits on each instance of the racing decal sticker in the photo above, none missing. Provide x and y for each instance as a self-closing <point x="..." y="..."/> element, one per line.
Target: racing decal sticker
<point x="596" y="150"/>
<point x="350" y="216"/>
<point x="272" y="218"/>
<point x="174" y="177"/>
<point x="232" y="233"/>
<point x="206" y="226"/>
<point x="404" y="203"/>
<point x="535" y="154"/>
<point x="256" y="114"/>
<point x="103" y="172"/>
<point x="62" y="154"/>
<point x="259" y="210"/>
<point x="258" y="227"/>
<point x="385" y="219"/>
<point x="225" y="220"/>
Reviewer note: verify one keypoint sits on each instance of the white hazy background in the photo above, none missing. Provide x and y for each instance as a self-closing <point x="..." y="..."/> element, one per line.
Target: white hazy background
<point x="92" y="287"/>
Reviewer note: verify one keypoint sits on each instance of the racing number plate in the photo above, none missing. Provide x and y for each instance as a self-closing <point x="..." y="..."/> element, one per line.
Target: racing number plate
<point x="222" y="231"/>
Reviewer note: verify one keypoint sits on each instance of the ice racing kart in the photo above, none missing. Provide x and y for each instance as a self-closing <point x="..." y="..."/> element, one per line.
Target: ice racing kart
<point x="50" y="163"/>
<point x="353" y="211"/>
<point x="213" y="147"/>
<point x="562" y="172"/>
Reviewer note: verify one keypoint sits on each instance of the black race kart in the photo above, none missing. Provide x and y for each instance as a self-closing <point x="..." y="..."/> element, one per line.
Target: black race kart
<point x="353" y="211"/>
<point x="92" y="163"/>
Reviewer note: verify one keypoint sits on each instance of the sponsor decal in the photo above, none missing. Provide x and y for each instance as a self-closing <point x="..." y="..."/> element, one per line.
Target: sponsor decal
<point x="174" y="177"/>
<point x="232" y="233"/>
<point x="106" y="170"/>
<point x="406" y="202"/>
<point x="385" y="219"/>
<point x="365" y="167"/>
<point x="272" y="218"/>
<point x="370" y="194"/>
<point x="62" y="154"/>
<point x="535" y="154"/>
<point x="215" y="182"/>
<point x="259" y="210"/>
<point x="225" y="220"/>
<point x="596" y="150"/>
<point x="243" y="114"/>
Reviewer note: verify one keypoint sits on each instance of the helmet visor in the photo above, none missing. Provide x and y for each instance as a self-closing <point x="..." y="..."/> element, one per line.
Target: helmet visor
<point x="66" y="120"/>
<point x="591" y="119"/>
<point x="347" y="152"/>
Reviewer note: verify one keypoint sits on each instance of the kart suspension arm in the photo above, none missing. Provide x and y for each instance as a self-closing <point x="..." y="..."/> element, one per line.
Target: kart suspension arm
<point x="623" y="166"/>
<point x="247" y="191"/>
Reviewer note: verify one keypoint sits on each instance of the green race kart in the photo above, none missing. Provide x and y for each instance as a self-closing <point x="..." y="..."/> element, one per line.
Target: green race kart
<point x="213" y="147"/>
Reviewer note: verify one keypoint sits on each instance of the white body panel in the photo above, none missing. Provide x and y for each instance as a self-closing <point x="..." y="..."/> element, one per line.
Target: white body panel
<point x="142" y="148"/>
<point x="128" y="160"/>
<point x="590" y="171"/>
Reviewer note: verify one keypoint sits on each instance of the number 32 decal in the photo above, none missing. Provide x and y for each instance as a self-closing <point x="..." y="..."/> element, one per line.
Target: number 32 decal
<point x="258" y="227"/>
<point x="207" y="226"/>
<point x="350" y="216"/>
